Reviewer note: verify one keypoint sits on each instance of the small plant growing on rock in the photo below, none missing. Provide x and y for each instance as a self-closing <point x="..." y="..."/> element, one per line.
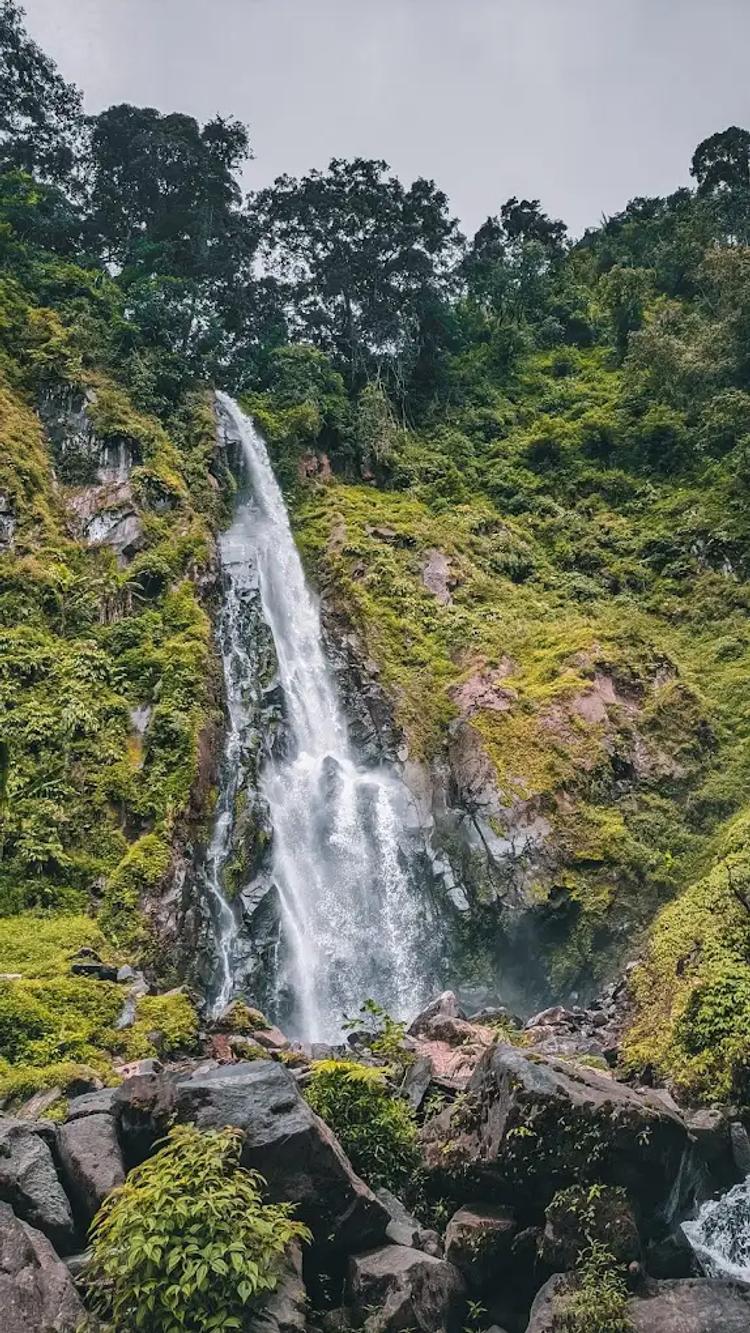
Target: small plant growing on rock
<point x="380" y="1034"/>
<point x="376" y="1128"/>
<point x="598" y="1302"/>
<point x="187" y="1244"/>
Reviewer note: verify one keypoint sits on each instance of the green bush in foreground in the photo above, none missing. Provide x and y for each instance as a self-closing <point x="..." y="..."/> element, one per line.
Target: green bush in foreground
<point x="376" y="1129"/>
<point x="187" y="1244"/>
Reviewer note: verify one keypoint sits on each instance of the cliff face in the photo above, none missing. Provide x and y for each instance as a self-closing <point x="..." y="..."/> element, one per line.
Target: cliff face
<point x="560" y="669"/>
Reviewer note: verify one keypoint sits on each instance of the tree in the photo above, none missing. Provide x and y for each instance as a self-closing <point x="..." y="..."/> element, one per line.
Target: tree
<point x="359" y="257"/>
<point x="722" y="162"/>
<point x="523" y="220"/>
<point x="163" y="193"/>
<point x="40" y="114"/>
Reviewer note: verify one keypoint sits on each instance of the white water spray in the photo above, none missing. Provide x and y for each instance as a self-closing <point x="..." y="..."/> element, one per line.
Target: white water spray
<point x="353" y="925"/>
<point x="720" y="1234"/>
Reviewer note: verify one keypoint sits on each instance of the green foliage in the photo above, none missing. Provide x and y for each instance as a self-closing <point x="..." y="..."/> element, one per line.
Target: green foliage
<point x="187" y="1243"/>
<point x="375" y="1127"/>
<point x="170" y="1020"/>
<point x="379" y="1033"/>
<point x="691" y="991"/>
<point x="598" y="1300"/>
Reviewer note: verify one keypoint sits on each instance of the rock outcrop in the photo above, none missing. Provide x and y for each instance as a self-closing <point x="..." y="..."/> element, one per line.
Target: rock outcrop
<point x="530" y="1125"/>
<point x="29" y="1183"/>
<point x="298" y="1155"/>
<point x="91" y="1165"/>
<point x="394" y="1288"/>
<point x="691" y="1305"/>
<point x="37" y="1294"/>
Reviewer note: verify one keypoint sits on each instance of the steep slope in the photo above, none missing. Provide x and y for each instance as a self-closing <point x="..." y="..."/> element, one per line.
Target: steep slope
<point x="107" y="686"/>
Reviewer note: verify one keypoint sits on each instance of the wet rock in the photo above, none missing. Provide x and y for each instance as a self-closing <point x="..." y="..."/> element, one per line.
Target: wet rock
<point x="29" y="1183"/>
<point x="298" y="1155"/>
<point x="394" y="1288"/>
<point x="478" y="1241"/>
<point x="532" y="1125"/>
<point x="740" y="1142"/>
<point x="90" y="1162"/>
<point x="285" y="1309"/>
<point x="671" y="1256"/>
<point x="37" y="1294"/>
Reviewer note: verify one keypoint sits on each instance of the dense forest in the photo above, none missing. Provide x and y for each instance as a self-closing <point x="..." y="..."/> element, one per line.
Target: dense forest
<point x="518" y="466"/>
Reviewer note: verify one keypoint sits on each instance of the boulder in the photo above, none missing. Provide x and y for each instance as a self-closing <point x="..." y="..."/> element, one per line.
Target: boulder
<point x="445" y="1006"/>
<point x="29" y="1183"/>
<point x="37" y="1294"/>
<point x="298" y="1155"/>
<point x="144" y="1105"/>
<point x="691" y="1305"/>
<point x="285" y="1309"/>
<point x="686" y="1305"/>
<point x="395" y="1288"/>
<point x="478" y="1241"/>
<point x="530" y="1125"/>
<point x="92" y="1103"/>
<point x="575" y="1214"/>
<point x="271" y="1039"/>
<point x="417" y="1080"/>
<point x="90" y="1162"/>
<point x="403" y="1229"/>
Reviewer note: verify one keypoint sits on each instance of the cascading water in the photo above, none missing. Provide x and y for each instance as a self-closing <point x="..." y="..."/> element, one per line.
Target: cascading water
<point x="352" y="921"/>
<point x="720" y="1234"/>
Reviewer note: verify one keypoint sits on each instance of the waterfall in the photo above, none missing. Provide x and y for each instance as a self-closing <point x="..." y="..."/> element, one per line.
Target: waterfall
<point x="720" y="1234"/>
<point x="353" y="922"/>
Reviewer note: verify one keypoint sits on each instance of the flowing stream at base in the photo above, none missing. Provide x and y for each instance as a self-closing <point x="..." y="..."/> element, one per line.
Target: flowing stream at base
<point x="352" y="922"/>
<point x="720" y="1234"/>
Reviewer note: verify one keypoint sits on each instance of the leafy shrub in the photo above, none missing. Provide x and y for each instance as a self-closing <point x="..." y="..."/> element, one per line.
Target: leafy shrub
<point x="375" y="1127"/>
<point x="598" y="1302"/>
<point x="187" y="1244"/>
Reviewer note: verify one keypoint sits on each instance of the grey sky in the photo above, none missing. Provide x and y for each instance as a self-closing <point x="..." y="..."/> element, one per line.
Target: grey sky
<point x="583" y="103"/>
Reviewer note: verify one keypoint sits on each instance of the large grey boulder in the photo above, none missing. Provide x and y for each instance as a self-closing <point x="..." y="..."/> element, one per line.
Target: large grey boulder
<point x="394" y="1288"/>
<point x="37" y="1294"/>
<point x="300" y="1158"/>
<point x="285" y="1309"/>
<point x="29" y="1183"/>
<point x="687" y="1305"/>
<point x="90" y="1163"/>
<point x="531" y="1125"/>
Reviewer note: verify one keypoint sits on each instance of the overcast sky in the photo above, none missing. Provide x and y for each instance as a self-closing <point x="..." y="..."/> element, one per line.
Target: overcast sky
<point x="583" y="103"/>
